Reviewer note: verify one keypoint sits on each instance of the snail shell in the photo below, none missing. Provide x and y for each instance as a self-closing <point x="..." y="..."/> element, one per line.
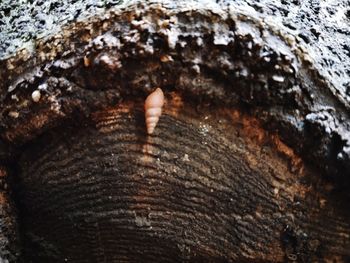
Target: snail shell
<point x="153" y="109"/>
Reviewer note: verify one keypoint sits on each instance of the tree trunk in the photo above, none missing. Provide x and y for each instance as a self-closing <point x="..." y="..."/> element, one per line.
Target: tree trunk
<point x="248" y="163"/>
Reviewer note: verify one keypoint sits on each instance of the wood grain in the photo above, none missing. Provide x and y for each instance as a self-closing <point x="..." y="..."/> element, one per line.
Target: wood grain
<point x="208" y="185"/>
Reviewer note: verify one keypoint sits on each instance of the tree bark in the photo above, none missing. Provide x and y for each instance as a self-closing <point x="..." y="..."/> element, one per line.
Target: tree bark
<point x="249" y="161"/>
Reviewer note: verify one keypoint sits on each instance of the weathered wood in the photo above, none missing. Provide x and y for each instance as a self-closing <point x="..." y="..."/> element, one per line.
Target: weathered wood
<point x="9" y="239"/>
<point x="250" y="161"/>
<point x="208" y="186"/>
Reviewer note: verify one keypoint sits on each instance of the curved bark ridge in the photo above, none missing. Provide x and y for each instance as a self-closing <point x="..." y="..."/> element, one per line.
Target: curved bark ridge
<point x="201" y="188"/>
<point x="227" y="57"/>
<point x="323" y="27"/>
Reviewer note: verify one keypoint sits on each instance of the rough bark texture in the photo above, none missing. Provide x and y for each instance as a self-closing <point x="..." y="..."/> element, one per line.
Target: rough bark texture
<point x="9" y="240"/>
<point x="249" y="163"/>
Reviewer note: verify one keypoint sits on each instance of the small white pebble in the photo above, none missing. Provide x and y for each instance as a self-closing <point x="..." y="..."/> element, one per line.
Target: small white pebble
<point x="42" y="86"/>
<point x="11" y="88"/>
<point x="278" y="78"/>
<point x="196" y="68"/>
<point x="14" y="97"/>
<point x="14" y="114"/>
<point x="36" y="95"/>
<point x="185" y="158"/>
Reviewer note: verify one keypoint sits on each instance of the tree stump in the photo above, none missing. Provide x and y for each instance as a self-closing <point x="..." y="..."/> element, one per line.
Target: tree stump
<point x="249" y="161"/>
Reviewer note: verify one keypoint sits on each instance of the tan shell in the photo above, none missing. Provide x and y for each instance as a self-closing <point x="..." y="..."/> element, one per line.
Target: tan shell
<point x="153" y="109"/>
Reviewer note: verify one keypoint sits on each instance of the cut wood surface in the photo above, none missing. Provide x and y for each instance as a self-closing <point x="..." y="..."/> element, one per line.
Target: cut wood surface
<point x="207" y="186"/>
<point x="250" y="159"/>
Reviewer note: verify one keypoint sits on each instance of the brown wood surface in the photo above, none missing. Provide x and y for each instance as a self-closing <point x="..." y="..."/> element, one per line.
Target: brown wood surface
<point x="209" y="185"/>
<point x="250" y="161"/>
